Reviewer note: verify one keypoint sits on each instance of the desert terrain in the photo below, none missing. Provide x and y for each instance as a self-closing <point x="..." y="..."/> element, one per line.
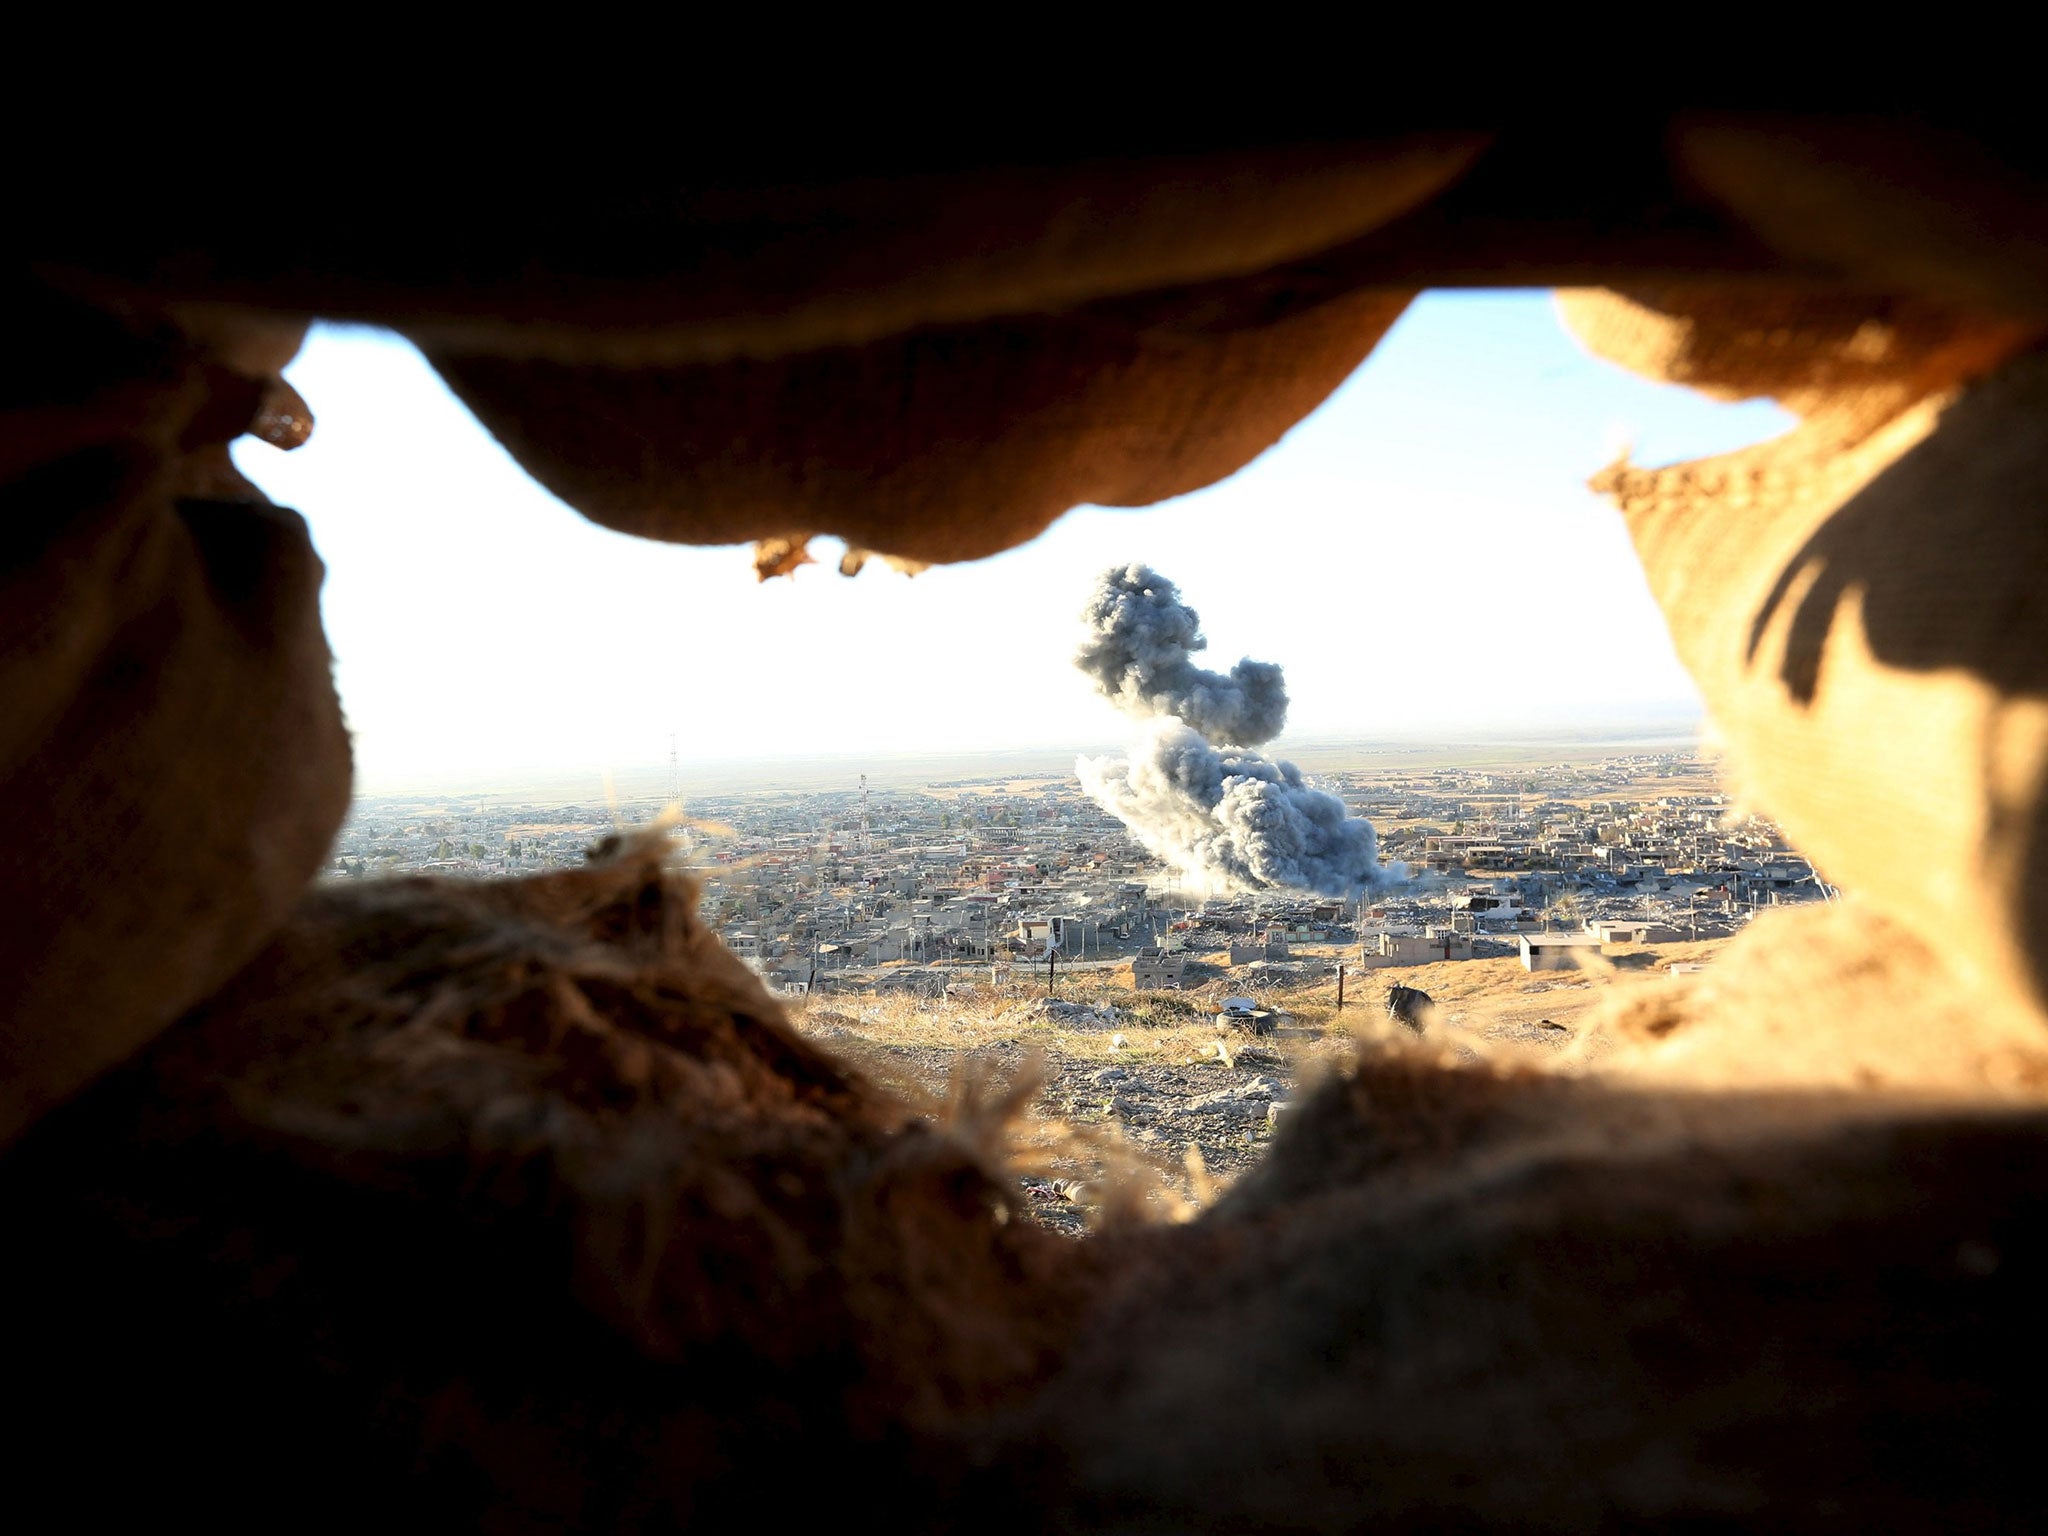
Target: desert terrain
<point x="1141" y="1104"/>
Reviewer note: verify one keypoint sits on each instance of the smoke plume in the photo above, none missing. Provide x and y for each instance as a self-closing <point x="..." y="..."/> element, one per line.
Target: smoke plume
<point x="1191" y="791"/>
<point x="1141" y="638"/>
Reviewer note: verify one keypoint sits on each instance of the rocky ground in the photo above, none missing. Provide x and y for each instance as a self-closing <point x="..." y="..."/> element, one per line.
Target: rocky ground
<point x="1144" y="1097"/>
<point x="1178" y="1112"/>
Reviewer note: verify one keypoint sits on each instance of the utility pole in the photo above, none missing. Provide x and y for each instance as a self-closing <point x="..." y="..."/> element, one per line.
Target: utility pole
<point x="1340" y="986"/>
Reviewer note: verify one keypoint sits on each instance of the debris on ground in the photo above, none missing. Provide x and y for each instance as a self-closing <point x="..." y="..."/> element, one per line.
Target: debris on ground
<point x="1070" y="1015"/>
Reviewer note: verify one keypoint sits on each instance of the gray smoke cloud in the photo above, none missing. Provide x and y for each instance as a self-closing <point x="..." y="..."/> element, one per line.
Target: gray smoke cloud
<point x="1224" y="816"/>
<point x="1139" y="650"/>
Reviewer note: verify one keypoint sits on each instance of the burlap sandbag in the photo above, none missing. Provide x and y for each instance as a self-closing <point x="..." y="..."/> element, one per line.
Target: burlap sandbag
<point x="1953" y="213"/>
<point x="556" y="1221"/>
<point x="172" y="758"/>
<point x="1845" y="362"/>
<point x="1857" y="603"/>
<point x="935" y="369"/>
<point x="942" y="444"/>
<point x="1831" y="998"/>
<point x="1478" y="1296"/>
<point x="930" y="348"/>
<point x="655" y="252"/>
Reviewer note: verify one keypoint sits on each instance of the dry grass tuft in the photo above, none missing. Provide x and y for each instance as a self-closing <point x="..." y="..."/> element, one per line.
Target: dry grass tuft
<point x="980" y="1061"/>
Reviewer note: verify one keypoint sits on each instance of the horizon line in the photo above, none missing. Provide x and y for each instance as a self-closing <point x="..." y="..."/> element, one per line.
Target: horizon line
<point x="1652" y="728"/>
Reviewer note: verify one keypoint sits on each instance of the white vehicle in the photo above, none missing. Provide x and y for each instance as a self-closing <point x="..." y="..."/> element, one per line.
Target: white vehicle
<point x="1489" y="906"/>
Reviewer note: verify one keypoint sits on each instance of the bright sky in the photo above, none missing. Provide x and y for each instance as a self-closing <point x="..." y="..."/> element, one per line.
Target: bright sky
<point x="1421" y="555"/>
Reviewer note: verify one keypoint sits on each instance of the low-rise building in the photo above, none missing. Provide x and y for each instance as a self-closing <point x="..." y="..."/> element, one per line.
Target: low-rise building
<point x="1157" y="970"/>
<point x="1418" y="948"/>
<point x="1631" y="931"/>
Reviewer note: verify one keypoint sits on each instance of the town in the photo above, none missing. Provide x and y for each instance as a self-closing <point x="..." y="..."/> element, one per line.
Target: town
<point x="1025" y="883"/>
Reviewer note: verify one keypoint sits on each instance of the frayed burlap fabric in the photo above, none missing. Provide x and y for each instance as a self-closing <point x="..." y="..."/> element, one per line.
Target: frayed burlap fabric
<point x="1859" y="602"/>
<point x="172" y="758"/>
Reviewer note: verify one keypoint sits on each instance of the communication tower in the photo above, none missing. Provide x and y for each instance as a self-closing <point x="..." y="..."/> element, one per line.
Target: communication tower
<point x="864" y="847"/>
<point x="681" y="829"/>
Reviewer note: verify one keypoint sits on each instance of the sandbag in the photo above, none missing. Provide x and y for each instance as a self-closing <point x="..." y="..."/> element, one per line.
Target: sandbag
<point x="1844" y="362"/>
<point x="1857" y="602"/>
<point x="1949" y="212"/>
<point x="932" y="363"/>
<point x="944" y="444"/>
<point x="556" y="1221"/>
<point x="172" y="758"/>
<point x="633" y="250"/>
<point x="1455" y="1297"/>
<point x="1826" y="998"/>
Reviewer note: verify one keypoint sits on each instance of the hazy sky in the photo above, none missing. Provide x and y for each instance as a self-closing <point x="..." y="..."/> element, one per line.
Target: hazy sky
<point x="1421" y="554"/>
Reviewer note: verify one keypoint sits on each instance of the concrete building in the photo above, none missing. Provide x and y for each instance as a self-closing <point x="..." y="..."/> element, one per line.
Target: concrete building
<point x="1156" y="970"/>
<point x="1449" y="943"/>
<point x="1272" y="945"/>
<point x="1418" y="948"/>
<point x="1631" y="931"/>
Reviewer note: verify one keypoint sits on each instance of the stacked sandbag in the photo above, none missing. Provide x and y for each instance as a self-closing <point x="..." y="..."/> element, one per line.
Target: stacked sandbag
<point x="936" y="371"/>
<point x="519" y="1204"/>
<point x="1466" y="1295"/>
<point x="929" y="359"/>
<point x="944" y="444"/>
<point x="1857" y="601"/>
<point x="172" y="758"/>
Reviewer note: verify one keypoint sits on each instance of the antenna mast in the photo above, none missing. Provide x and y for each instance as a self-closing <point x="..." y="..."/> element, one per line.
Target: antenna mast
<point x="681" y="832"/>
<point x="864" y="848"/>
